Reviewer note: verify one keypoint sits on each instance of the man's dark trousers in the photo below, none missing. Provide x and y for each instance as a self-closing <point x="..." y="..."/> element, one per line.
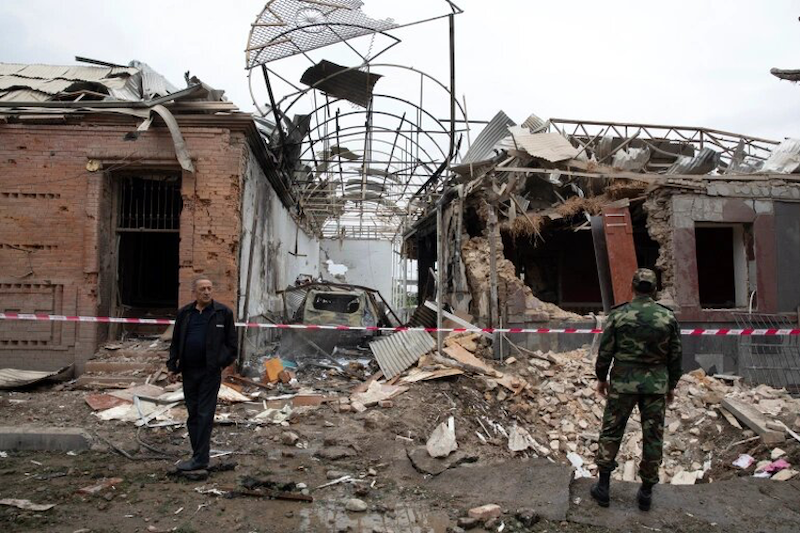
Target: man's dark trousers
<point x="200" y="389"/>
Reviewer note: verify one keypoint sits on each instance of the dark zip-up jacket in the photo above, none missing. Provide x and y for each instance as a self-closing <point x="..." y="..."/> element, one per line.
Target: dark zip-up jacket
<point x="221" y="339"/>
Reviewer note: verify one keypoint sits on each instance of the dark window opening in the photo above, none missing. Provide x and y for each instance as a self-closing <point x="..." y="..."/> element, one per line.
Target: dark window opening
<point x="560" y="269"/>
<point x="337" y="303"/>
<point x="472" y="222"/>
<point x="716" y="271"/>
<point x="148" y="221"/>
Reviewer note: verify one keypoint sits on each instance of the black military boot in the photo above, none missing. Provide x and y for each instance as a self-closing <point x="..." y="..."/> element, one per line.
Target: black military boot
<point x="645" y="496"/>
<point x="600" y="491"/>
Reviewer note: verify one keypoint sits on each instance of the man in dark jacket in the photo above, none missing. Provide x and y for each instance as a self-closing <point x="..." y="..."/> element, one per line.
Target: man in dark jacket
<point x="203" y="343"/>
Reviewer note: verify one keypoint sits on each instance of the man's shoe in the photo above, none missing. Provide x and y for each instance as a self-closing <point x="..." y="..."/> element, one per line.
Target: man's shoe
<point x="645" y="496"/>
<point x="190" y="465"/>
<point x="601" y="490"/>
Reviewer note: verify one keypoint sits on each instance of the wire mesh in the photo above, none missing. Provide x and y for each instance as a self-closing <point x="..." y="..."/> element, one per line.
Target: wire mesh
<point x="289" y="27"/>
<point x="772" y="360"/>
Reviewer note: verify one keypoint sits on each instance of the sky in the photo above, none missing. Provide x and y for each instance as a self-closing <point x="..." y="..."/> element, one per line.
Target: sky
<point x="685" y="62"/>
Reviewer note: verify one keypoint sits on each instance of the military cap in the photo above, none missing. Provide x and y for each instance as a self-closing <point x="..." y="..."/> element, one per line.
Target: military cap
<point x="644" y="280"/>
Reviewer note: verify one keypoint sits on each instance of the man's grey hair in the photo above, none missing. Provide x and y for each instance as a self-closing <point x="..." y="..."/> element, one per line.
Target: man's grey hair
<point x="198" y="279"/>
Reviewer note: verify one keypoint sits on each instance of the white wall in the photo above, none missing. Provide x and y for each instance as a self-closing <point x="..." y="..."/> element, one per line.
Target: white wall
<point x="369" y="262"/>
<point x="282" y="249"/>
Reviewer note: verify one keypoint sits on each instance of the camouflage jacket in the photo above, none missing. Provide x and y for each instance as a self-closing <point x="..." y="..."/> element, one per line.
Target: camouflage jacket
<point x="643" y="340"/>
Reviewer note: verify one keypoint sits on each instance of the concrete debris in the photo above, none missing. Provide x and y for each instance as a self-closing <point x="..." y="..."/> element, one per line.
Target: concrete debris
<point x="377" y="392"/>
<point x="442" y="442"/>
<point x="564" y="409"/>
<point x="290" y="438"/>
<point x="519" y="439"/>
<point x="684" y="477"/>
<point x="101" y="486"/>
<point x="355" y="505"/>
<point x="275" y="416"/>
<point x="755" y="418"/>
<point x="577" y="463"/>
<point x="424" y="463"/>
<point x="26" y="505"/>
<point x="486" y="512"/>
<point x="784" y="475"/>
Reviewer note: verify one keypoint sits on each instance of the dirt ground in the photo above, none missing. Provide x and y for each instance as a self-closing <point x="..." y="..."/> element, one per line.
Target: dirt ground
<point x="374" y="447"/>
<point x="382" y="449"/>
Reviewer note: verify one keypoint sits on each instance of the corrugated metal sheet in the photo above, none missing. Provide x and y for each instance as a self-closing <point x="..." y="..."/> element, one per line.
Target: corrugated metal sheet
<point x="45" y="72"/>
<point x="535" y="124"/>
<point x="400" y="350"/>
<point x="785" y="159"/>
<point x="23" y="95"/>
<point x="7" y="69"/>
<point x="703" y="163"/>
<point x="153" y="83"/>
<point x="422" y="318"/>
<point x="352" y="85"/>
<point x="12" y="378"/>
<point x="133" y="83"/>
<point x="493" y="133"/>
<point x="632" y="159"/>
<point x="44" y="86"/>
<point x="552" y="147"/>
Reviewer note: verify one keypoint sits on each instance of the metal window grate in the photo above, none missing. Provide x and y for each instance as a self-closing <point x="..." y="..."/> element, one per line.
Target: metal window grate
<point x="149" y="203"/>
<point x="773" y="360"/>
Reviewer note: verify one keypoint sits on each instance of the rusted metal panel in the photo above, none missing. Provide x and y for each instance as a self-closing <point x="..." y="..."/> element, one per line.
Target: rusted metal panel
<point x="400" y="350"/>
<point x="621" y="251"/>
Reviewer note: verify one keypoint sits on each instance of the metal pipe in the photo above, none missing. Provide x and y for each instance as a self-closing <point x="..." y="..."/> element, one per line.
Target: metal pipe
<point x="276" y="116"/>
<point x="439" y="268"/>
<point x="452" y="88"/>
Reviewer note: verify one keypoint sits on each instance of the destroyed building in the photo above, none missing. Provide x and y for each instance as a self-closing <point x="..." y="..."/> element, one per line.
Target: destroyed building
<point x="346" y="173"/>
<point x="550" y="219"/>
<point x="116" y="190"/>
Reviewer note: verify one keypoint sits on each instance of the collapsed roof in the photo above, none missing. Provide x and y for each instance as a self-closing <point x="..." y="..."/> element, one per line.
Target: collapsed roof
<point x="40" y="83"/>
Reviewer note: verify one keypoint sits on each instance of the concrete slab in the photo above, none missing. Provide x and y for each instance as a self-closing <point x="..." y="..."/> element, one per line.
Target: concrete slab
<point x="739" y="505"/>
<point x="534" y="484"/>
<point x="49" y="439"/>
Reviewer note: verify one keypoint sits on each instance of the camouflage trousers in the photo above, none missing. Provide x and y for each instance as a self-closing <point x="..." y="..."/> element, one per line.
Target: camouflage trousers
<point x="652" y="408"/>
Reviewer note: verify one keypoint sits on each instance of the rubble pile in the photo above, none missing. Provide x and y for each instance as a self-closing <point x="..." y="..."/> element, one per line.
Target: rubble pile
<point x="567" y="416"/>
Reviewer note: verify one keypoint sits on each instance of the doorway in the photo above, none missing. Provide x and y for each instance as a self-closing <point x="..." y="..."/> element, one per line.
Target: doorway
<point x="148" y="237"/>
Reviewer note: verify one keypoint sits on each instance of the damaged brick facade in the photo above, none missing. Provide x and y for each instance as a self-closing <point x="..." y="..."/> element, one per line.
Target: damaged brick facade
<point x="57" y="232"/>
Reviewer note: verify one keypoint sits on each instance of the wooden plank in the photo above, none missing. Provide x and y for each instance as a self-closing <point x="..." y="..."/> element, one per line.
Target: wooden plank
<point x="754" y="419"/>
<point x="461" y="355"/>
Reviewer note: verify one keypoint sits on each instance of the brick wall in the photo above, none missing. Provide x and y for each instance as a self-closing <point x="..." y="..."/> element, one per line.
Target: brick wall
<point x="54" y="226"/>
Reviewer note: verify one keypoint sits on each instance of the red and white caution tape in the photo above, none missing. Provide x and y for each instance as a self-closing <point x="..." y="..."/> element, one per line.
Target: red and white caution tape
<point x="585" y="331"/>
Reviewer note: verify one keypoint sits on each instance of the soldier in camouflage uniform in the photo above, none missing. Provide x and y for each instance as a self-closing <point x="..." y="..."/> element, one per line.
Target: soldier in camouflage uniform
<point x="642" y="338"/>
